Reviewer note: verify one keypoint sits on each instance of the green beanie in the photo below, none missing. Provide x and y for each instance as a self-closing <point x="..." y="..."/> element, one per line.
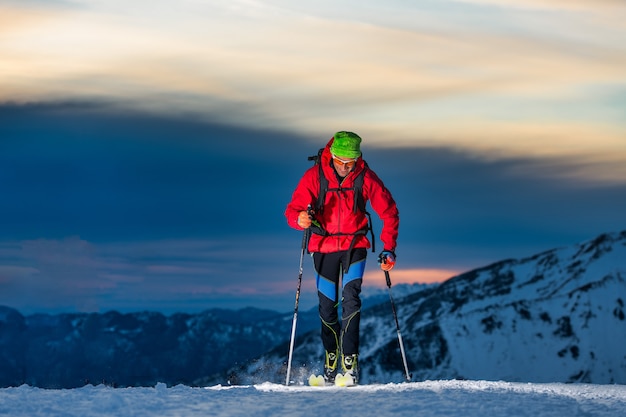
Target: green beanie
<point x="346" y="145"/>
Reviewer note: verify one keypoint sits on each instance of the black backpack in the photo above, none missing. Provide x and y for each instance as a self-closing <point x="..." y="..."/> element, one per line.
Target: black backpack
<point x="359" y="201"/>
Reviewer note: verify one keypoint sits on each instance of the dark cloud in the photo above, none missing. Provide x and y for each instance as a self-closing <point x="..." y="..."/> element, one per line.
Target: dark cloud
<point x="116" y="181"/>
<point x="474" y="210"/>
<point x="71" y="169"/>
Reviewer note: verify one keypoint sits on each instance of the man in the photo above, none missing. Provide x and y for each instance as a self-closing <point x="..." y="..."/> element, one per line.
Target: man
<point x="339" y="242"/>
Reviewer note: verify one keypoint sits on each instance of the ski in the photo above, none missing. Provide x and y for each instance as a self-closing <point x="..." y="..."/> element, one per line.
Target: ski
<point x="317" y="381"/>
<point x="341" y="380"/>
<point x="344" y="380"/>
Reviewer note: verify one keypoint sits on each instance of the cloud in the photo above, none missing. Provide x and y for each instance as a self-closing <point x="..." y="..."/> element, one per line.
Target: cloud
<point x="409" y="276"/>
<point x="49" y="273"/>
<point x="134" y="177"/>
<point x="497" y="125"/>
<point x="353" y="69"/>
<point x="10" y="272"/>
<point x="575" y="5"/>
<point x="72" y="274"/>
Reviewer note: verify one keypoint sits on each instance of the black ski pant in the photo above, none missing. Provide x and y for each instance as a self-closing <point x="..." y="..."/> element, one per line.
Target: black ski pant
<point x="334" y="272"/>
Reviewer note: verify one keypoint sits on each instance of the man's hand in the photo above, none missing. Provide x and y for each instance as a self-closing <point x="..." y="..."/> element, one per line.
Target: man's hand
<point x="304" y="220"/>
<point x="387" y="260"/>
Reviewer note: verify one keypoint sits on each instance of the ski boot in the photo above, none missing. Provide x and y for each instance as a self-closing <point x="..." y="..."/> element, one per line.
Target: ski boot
<point x="350" y="367"/>
<point x="330" y="367"/>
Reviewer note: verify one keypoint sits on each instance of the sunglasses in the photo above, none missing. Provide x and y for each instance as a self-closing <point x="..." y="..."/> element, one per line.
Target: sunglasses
<point x="343" y="163"/>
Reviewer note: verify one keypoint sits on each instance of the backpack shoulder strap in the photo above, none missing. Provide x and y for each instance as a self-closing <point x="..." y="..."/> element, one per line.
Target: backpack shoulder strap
<point x="321" y="195"/>
<point x="359" y="201"/>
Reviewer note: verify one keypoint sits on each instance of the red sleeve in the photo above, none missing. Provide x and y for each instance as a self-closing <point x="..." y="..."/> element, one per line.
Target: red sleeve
<point x="305" y="194"/>
<point x="385" y="207"/>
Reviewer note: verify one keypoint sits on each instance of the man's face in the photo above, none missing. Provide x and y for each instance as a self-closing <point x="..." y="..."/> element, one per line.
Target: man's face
<point x="343" y="166"/>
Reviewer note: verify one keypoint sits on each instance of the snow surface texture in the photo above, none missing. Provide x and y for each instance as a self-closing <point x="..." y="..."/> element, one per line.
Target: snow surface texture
<point x="424" y="399"/>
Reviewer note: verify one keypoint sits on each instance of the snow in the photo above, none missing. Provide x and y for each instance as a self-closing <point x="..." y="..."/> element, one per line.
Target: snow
<point x="424" y="399"/>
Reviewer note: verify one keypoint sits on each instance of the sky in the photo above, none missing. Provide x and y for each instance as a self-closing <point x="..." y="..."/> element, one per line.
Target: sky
<point x="148" y="149"/>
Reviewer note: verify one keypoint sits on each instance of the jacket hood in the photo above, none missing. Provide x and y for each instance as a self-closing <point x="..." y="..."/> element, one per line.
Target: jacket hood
<point x="329" y="170"/>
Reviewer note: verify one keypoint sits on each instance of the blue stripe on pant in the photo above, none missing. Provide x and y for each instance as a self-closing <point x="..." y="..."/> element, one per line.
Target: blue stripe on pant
<point x="329" y="288"/>
<point x="342" y="334"/>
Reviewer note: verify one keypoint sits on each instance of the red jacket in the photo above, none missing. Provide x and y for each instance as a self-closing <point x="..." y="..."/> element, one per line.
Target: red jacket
<point x="338" y="214"/>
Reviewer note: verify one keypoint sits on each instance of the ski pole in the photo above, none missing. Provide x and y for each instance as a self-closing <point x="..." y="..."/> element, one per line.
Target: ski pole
<point x="407" y="375"/>
<point x="305" y="238"/>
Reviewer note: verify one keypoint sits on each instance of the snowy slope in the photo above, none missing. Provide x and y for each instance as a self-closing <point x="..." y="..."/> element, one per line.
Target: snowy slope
<point x="554" y="317"/>
<point x="558" y="316"/>
<point x="424" y="399"/>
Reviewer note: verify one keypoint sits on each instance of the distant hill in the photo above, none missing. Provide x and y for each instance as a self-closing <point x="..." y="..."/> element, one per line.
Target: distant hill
<point x="135" y="349"/>
<point x="140" y="349"/>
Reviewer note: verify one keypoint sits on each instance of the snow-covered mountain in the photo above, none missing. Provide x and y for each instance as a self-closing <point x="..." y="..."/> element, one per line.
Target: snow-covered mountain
<point x="140" y="349"/>
<point x="558" y="316"/>
<point x="134" y="349"/>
